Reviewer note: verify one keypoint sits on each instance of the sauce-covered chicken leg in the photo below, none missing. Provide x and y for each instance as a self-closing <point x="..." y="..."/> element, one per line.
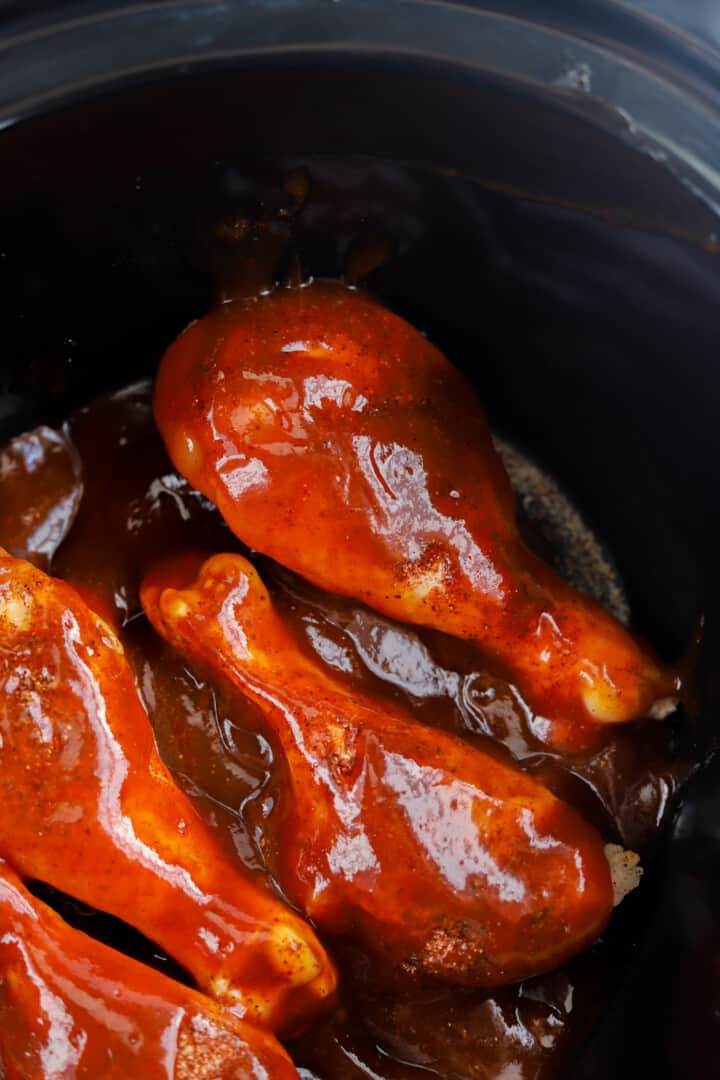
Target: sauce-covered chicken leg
<point x="336" y="439"/>
<point x="442" y="859"/>
<point x="89" y="807"/>
<point x="73" y="1009"/>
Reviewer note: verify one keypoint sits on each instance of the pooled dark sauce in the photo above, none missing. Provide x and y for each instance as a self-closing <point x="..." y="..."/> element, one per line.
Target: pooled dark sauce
<point x="135" y="508"/>
<point x="41" y="484"/>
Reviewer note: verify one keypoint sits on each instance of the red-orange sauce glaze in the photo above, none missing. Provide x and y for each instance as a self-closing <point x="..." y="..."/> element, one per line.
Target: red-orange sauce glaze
<point x="336" y="439"/>
<point x="135" y="509"/>
<point x="89" y="807"/>
<point x="442" y="860"/>
<point x="71" y="1007"/>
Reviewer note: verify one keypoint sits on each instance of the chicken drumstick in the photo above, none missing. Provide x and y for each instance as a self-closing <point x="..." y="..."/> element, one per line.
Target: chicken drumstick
<point x="444" y="860"/>
<point x="336" y="439"/>
<point x="71" y="1007"/>
<point x="89" y="807"/>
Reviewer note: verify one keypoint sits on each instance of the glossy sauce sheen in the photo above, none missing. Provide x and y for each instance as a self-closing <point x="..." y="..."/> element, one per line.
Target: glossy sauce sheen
<point x="71" y="1007"/>
<point x="336" y="439"/>
<point x="216" y="749"/>
<point x="440" y="859"/>
<point x="89" y="807"/>
<point x="41" y="484"/>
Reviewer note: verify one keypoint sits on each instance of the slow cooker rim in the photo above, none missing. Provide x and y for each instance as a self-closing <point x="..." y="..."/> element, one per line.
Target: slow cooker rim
<point x="670" y="112"/>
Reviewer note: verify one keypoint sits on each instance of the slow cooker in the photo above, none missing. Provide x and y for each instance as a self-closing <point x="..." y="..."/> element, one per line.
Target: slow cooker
<point x="537" y="186"/>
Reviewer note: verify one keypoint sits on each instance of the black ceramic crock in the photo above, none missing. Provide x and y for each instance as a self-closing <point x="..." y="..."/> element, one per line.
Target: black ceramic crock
<point x="545" y="177"/>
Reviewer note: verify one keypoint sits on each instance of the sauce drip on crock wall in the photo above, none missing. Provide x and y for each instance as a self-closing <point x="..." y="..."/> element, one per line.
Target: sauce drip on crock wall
<point x="135" y="508"/>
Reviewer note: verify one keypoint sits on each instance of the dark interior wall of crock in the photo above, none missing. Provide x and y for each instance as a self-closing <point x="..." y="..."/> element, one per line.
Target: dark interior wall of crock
<point x="569" y="274"/>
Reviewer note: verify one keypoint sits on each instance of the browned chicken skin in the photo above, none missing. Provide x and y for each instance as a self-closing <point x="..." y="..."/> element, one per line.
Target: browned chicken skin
<point x="336" y="439"/>
<point x="89" y="807"/>
<point x="73" y="1008"/>
<point x="443" y="860"/>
